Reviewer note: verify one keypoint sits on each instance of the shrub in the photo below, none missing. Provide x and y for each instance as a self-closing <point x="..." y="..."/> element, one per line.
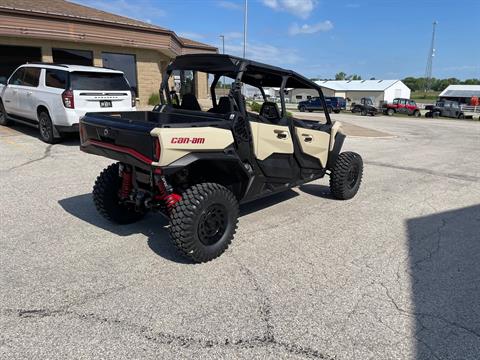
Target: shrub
<point x="154" y="99"/>
<point x="254" y="106"/>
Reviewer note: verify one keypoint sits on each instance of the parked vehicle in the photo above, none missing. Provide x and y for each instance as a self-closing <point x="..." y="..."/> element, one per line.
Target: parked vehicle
<point x="402" y="106"/>
<point x="195" y="166"/>
<point x="446" y="108"/>
<point x="54" y="97"/>
<point x="335" y="104"/>
<point x="365" y="107"/>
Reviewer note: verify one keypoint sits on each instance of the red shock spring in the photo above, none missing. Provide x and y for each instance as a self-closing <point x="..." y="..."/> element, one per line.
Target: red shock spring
<point x="170" y="199"/>
<point x="126" y="187"/>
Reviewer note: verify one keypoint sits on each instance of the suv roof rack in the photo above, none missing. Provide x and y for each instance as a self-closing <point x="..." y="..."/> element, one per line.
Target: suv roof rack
<point x="47" y="63"/>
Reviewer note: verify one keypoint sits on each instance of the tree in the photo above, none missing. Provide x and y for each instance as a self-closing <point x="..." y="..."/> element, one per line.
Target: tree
<point x="340" y="76"/>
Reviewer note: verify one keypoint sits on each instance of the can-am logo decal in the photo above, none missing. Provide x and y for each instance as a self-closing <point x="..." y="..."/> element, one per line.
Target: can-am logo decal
<point x="187" y="140"/>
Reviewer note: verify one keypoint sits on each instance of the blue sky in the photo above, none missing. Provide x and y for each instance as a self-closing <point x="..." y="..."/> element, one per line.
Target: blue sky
<point x="376" y="38"/>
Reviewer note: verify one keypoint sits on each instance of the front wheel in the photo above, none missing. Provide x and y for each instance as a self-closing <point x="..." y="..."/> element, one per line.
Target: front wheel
<point x="461" y="116"/>
<point x="416" y="113"/>
<point x="364" y="113"/>
<point x="346" y="175"/>
<point x="390" y="112"/>
<point x="107" y="200"/>
<point x="203" y="223"/>
<point x="302" y="108"/>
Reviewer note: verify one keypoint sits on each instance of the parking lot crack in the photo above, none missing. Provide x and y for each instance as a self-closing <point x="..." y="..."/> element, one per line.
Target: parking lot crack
<point x="45" y="155"/>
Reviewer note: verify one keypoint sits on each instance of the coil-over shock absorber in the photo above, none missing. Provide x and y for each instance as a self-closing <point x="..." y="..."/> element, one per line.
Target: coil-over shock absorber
<point x="166" y="193"/>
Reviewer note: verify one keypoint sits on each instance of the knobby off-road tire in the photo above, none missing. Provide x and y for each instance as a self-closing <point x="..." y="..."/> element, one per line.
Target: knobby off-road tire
<point x="203" y="223"/>
<point x="107" y="201"/>
<point x="346" y="175"/>
<point x="3" y="115"/>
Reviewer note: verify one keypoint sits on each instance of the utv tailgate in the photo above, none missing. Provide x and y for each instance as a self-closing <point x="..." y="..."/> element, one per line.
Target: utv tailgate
<point x="116" y="137"/>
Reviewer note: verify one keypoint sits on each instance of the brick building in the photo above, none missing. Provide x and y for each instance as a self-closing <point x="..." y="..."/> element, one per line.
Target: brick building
<point x="63" y="32"/>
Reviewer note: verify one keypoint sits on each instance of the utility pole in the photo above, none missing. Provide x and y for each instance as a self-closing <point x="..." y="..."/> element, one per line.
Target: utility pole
<point x="245" y="18"/>
<point x="431" y="54"/>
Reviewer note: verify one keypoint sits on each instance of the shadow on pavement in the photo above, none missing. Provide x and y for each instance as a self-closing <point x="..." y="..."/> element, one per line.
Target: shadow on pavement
<point x="153" y="226"/>
<point x="444" y="257"/>
<point x="322" y="191"/>
<point x="68" y="139"/>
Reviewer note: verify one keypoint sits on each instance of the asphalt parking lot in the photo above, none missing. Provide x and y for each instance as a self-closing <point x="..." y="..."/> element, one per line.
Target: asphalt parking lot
<point x="391" y="274"/>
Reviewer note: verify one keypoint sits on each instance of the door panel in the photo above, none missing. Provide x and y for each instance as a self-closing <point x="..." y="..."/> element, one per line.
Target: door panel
<point x="270" y="139"/>
<point x="314" y="143"/>
<point x="273" y="149"/>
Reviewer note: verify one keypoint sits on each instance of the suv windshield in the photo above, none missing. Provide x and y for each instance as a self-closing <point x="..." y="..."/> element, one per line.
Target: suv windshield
<point x="98" y="81"/>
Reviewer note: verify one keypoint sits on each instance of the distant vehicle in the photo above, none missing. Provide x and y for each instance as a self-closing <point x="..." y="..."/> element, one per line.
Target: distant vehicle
<point x="334" y="104"/>
<point x="445" y="108"/>
<point x="54" y="97"/>
<point x="365" y="107"/>
<point x="402" y="106"/>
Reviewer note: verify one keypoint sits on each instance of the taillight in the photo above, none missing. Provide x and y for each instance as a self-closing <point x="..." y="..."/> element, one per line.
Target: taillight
<point x="67" y="98"/>
<point x="156" y="150"/>
<point x="134" y="98"/>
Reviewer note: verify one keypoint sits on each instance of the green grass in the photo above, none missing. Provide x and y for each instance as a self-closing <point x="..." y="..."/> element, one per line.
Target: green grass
<point x="154" y="99"/>
<point x="421" y="97"/>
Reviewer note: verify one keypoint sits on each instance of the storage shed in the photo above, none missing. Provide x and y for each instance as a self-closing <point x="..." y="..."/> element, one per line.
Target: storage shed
<point x="461" y="93"/>
<point x="380" y="91"/>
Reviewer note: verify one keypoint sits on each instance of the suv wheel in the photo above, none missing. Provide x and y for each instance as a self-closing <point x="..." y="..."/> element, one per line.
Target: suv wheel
<point x="45" y="126"/>
<point x="302" y="108"/>
<point x="107" y="201"/>
<point x="364" y="113"/>
<point x="461" y="116"/>
<point x="346" y="175"/>
<point x="416" y="113"/>
<point x="336" y="111"/>
<point x="3" y="115"/>
<point x="204" y="221"/>
<point x="390" y="112"/>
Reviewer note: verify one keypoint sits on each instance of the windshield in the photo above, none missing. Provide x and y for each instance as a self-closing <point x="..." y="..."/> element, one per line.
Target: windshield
<point x="98" y="81"/>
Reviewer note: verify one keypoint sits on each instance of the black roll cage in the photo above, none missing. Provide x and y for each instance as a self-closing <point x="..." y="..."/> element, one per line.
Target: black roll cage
<point x="240" y="70"/>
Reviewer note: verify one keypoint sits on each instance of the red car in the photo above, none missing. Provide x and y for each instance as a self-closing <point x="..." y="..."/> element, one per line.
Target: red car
<point x="402" y="106"/>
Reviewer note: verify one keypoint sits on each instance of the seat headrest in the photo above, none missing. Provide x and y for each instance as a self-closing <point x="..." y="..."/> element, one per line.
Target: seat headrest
<point x="190" y="102"/>
<point x="269" y="110"/>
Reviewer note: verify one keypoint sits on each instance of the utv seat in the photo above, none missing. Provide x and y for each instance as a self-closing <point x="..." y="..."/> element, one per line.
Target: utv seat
<point x="190" y="102"/>
<point x="270" y="112"/>
<point x="223" y="106"/>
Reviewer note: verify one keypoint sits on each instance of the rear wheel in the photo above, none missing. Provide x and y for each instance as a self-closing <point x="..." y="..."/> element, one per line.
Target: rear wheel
<point x="364" y="113"/>
<point x="45" y="126"/>
<point x="203" y="223"/>
<point x="435" y="115"/>
<point x="3" y="115"/>
<point x="346" y="175"/>
<point x="107" y="200"/>
<point x="302" y="108"/>
<point x="390" y="112"/>
<point x="336" y="111"/>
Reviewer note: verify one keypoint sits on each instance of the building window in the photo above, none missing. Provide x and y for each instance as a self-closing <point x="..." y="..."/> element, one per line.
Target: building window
<point x="72" y="57"/>
<point x="12" y="57"/>
<point x="123" y="62"/>
<point x="298" y="97"/>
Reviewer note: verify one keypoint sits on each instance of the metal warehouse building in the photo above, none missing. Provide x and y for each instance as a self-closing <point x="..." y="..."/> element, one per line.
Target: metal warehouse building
<point x="63" y="32"/>
<point x="461" y="93"/>
<point x="379" y="91"/>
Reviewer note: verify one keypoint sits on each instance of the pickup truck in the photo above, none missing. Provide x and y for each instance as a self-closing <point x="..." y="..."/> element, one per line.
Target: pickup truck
<point x="334" y="104"/>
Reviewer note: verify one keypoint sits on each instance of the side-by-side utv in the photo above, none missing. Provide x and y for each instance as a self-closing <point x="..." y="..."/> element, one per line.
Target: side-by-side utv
<point x="196" y="166"/>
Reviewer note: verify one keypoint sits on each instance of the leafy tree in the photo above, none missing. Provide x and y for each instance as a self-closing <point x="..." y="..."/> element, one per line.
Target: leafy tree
<point x="340" y="76"/>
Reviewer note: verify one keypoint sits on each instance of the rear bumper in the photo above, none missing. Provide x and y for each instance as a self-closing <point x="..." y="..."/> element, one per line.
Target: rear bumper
<point x="73" y="116"/>
<point x="116" y="152"/>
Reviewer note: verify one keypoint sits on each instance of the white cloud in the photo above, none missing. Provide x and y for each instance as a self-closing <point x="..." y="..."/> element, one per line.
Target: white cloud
<point x="300" y="8"/>
<point x="265" y="53"/>
<point x="233" y="35"/>
<point x="230" y="5"/>
<point x="322" y="26"/>
<point x="191" y="35"/>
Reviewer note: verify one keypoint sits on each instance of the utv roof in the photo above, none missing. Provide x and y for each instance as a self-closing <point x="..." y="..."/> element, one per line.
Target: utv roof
<point x="255" y="73"/>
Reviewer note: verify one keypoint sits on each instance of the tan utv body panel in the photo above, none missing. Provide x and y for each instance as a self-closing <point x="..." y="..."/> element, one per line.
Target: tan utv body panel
<point x="266" y="141"/>
<point x="175" y="143"/>
<point x="314" y="143"/>
<point x="336" y="128"/>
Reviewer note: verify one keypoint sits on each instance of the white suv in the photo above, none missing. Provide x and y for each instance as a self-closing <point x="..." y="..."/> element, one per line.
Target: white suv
<point x="54" y="97"/>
